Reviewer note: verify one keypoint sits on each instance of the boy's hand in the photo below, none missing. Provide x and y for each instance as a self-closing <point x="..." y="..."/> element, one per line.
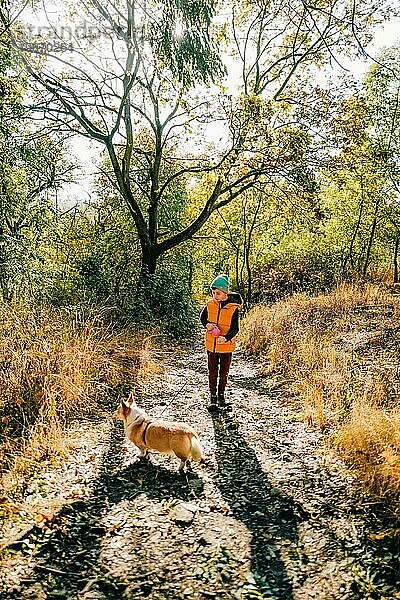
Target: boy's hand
<point x="221" y="339"/>
<point x="210" y="326"/>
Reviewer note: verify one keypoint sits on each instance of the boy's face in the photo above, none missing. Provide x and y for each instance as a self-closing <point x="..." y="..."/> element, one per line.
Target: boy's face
<point x="219" y="295"/>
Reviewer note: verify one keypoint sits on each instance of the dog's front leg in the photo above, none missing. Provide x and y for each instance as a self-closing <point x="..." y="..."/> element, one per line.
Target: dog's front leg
<point x="143" y="452"/>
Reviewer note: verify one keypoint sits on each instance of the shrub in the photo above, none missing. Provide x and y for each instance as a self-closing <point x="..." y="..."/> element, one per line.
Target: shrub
<point x="164" y="300"/>
<point x="370" y="439"/>
<point x="295" y="270"/>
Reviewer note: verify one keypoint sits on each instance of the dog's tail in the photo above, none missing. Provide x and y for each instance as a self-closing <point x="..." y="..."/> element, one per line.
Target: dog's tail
<point x="196" y="450"/>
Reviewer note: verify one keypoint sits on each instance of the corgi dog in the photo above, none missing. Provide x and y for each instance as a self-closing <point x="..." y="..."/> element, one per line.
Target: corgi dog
<point x="167" y="437"/>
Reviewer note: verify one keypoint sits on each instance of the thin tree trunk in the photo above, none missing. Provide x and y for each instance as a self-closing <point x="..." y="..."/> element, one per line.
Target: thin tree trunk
<point x="371" y="238"/>
<point x="247" y="255"/>
<point x="395" y="260"/>
<point x="356" y="229"/>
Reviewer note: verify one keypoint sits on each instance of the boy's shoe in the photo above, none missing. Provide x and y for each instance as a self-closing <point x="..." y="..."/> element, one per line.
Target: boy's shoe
<point x="213" y="406"/>
<point x="222" y="403"/>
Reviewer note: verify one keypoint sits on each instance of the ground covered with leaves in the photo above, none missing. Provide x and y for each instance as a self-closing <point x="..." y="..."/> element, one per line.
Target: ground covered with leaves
<point x="271" y="513"/>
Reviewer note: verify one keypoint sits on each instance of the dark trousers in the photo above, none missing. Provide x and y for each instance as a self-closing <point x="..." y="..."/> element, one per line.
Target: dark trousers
<point x="218" y="364"/>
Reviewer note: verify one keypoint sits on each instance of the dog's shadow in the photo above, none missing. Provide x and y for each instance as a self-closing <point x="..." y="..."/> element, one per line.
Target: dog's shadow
<point x="142" y="476"/>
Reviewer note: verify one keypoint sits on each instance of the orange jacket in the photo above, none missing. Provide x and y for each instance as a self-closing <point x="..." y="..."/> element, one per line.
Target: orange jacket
<point x="222" y="316"/>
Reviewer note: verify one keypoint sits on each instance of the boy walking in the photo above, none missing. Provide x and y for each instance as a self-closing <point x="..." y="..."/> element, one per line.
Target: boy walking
<point x="220" y="317"/>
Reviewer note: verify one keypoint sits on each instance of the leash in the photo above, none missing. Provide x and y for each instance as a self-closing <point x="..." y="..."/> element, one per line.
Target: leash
<point x="179" y="391"/>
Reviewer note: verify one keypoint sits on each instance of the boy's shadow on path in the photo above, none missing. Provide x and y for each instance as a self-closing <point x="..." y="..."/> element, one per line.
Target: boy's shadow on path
<point x="265" y="511"/>
<point x="69" y="555"/>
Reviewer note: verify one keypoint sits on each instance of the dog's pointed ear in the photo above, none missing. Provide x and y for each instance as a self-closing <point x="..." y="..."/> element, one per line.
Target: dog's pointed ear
<point x="131" y="400"/>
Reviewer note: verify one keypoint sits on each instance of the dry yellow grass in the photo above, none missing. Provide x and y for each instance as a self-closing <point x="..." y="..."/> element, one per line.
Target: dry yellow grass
<point x="339" y="355"/>
<point x="370" y="439"/>
<point x="55" y="364"/>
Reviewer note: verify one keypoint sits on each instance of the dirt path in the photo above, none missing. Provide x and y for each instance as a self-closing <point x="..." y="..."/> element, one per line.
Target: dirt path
<point x="267" y="515"/>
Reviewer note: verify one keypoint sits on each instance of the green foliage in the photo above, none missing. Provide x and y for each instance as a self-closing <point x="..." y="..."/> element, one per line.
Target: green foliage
<point x="96" y="260"/>
<point x="90" y="270"/>
<point x="358" y="196"/>
<point x="93" y="258"/>
<point x="267" y="229"/>
<point x="30" y="172"/>
<point x="301" y="263"/>
<point x="184" y="41"/>
<point x="11" y="87"/>
<point x="32" y="167"/>
<point x="164" y="299"/>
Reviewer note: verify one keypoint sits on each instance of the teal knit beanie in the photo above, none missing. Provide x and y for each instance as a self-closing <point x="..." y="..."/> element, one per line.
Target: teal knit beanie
<point x="221" y="282"/>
